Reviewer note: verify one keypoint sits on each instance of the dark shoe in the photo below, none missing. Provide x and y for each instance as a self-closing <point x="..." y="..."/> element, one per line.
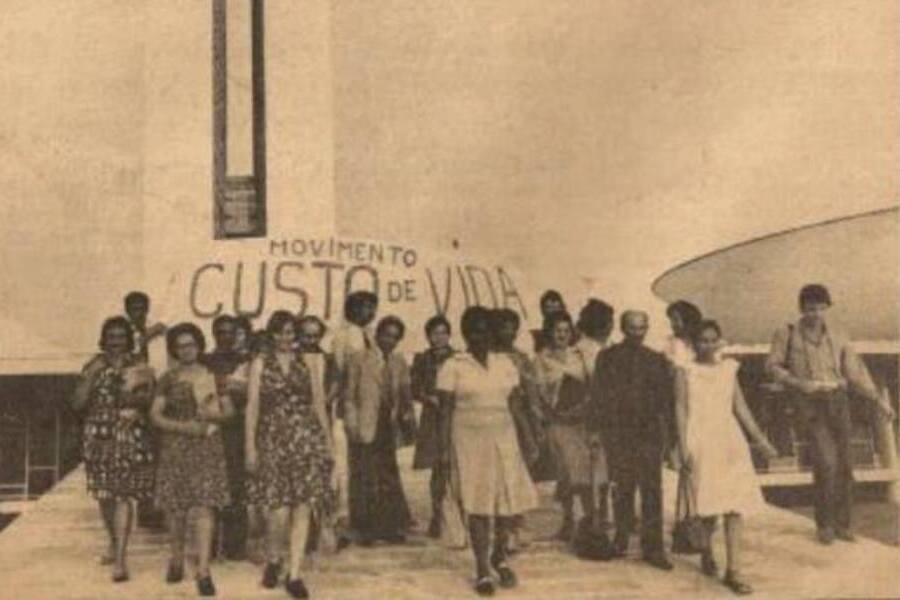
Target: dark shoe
<point x="343" y="541"/>
<point x="270" y="575"/>
<point x="205" y="586"/>
<point x="825" y="535"/>
<point x="507" y="576"/>
<point x="566" y="532"/>
<point x="175" y="574"/>
<point x="845" y="535"/>
<point x="120" y="577"/>
<point x="484" y="586"/>
<point x="736" y="585"/>
<point x="659" y="561"/>
<point x="296" y="589"/>
<point x="708" y="565"/>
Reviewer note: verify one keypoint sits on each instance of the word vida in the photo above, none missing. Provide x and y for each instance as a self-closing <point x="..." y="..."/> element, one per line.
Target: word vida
<point x="320" y="287"/>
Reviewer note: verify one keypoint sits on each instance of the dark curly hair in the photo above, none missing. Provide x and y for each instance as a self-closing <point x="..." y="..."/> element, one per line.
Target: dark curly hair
<point x="190" y="329"/>
<point x="387" y="322"/>
<point x="113" y="323"/>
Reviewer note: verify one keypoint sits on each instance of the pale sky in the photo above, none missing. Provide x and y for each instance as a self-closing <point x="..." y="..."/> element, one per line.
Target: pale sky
<point x="601" y="143"/>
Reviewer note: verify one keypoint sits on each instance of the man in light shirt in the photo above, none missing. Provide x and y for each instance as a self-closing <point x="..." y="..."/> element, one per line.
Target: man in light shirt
<point x="819" y="366"/>
<point x="351" y="337"/>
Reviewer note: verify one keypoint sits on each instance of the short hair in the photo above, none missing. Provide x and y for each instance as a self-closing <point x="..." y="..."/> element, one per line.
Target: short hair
<point x="278" y="320"/>
<point x="312" y="319"/>
<point x="814" y="293"/>
<point x="596" y="318"/>
<point x="222" y="320"/>
<point x="471" y="317"/>
<point x="553" y="320"/>
<point x="259" y="341"/>
<point x="435" y="322"/>
<point x="690" y="314"/>
<point x="507" y="315"/>
<point x="552" y="295"/>
<point x="357" y="299"/>
<point x="112" y="323"/>
<point x="632" y="313"/>
<point x="389" y="320"/>
<point x="185" y="328"/>
<point x="702" y="326"/>
<point x="137" y="297"/>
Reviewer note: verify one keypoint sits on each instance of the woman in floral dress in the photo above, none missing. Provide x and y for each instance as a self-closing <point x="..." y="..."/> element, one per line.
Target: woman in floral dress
<point x="288" y="453"/>
<point x="117" y="451"/>
<point x="192" y="472"/>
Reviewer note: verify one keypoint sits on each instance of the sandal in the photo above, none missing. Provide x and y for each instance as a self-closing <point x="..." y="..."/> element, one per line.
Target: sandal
<point x="484" y="586"/>
<point x="733" y="582"/>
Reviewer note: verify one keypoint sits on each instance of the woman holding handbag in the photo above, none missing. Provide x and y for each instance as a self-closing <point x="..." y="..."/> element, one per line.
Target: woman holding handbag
<point x="118" y="455"/>
<point x="192" y="471"/>
<point x="564" y="378"/>
<point x="717" y="471"/>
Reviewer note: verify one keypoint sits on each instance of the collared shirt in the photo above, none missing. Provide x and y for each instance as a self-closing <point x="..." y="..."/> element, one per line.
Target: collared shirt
<point x="349" y="339"/>
<point x="139" y="337"/>
<point x="830" y="359"/>
<point x="481" y="392"/>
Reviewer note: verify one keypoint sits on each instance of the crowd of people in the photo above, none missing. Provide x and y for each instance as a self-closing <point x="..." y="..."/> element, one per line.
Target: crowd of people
<point x="270" y="423"/>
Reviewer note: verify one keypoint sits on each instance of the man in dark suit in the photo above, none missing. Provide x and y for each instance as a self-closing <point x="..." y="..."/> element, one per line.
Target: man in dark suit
<point x="633" y="395"/>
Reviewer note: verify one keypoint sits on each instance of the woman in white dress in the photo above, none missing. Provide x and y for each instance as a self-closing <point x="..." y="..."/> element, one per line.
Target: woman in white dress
<point x="684" y="318"/>
<point x="709" y="407"/>
<point x="494" y="484"/>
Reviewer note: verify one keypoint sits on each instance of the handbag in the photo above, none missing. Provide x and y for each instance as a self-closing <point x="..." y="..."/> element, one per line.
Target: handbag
<point x="572" y="398"/>
<point x="690" y="535"/>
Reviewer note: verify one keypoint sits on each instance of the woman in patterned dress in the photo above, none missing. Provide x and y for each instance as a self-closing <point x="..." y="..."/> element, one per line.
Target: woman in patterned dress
<point x="288" y="454"/>
<point x="192" y="472"/>
<point x="117" y="452"/>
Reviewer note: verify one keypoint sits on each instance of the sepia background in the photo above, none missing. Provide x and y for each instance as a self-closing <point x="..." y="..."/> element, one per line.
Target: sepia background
<point x="583" y="145"/>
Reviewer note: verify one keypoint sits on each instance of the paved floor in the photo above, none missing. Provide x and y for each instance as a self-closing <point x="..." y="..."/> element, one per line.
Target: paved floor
<point x="51" y="552"/>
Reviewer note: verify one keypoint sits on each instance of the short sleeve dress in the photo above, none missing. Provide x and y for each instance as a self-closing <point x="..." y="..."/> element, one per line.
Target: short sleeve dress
<point x="118" y="455"/>
<point x="493" y="477"/>
<point x="724" y="477"/>
<point x="192" y="470"/>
